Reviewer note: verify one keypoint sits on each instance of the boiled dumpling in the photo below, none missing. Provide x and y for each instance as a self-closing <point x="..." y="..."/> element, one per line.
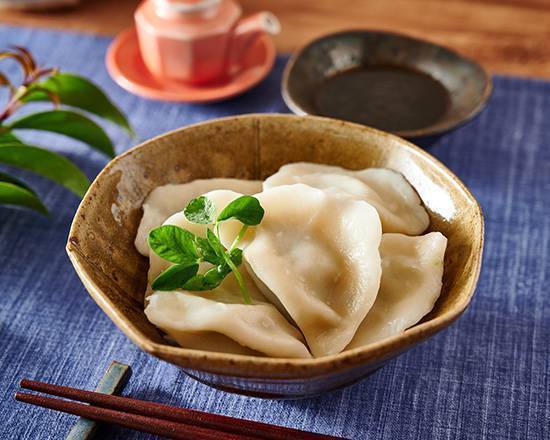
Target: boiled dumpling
<point x="166" y="200"/>
<point x="317" y="253"/>
<point x="412" y="272"/>
<point x="396" y="201"/>
<point x="219" y="321"/>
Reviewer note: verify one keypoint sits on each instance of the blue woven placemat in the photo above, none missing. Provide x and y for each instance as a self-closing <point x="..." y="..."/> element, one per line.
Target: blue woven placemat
<point x="485" y="377"/>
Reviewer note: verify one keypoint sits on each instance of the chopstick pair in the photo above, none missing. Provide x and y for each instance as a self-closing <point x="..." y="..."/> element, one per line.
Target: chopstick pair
<point x="155" y="418"/>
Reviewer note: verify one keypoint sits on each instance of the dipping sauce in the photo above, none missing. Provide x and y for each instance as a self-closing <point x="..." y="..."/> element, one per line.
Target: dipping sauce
<point x="390" y="98"/>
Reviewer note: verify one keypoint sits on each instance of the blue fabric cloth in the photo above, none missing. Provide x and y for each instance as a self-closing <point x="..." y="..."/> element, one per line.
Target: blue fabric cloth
<point x="487" y="376"/>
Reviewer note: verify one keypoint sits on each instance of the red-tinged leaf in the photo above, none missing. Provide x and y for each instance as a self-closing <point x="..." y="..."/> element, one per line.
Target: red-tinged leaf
<point x="29" y="59"/>
<point x="20" y="59"/>
<point x="5" y="82"/>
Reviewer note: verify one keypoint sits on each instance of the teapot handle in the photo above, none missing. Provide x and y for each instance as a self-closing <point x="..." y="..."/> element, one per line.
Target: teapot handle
<point x="248" y="30"/>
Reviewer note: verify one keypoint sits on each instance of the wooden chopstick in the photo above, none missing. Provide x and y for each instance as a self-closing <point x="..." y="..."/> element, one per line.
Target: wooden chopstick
<point x="151" y="425"/>
<point x="181" y="416"/>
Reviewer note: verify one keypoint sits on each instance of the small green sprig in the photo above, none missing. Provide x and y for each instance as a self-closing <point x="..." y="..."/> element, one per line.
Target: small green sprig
<point x="186" y="250"/>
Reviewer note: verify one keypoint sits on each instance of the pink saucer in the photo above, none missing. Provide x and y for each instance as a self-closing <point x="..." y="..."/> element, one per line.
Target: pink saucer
<point x="126" y="67"/>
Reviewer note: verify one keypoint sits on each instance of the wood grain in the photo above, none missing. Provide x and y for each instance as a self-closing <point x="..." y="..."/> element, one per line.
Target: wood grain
<point x="507" y="36"/>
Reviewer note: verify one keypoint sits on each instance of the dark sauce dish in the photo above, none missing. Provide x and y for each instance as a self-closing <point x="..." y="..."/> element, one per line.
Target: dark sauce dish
<point x="403" y="85"/>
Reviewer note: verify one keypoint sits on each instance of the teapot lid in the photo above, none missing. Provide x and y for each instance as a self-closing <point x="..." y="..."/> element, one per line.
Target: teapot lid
<point x="174" y="7"/>
<point x="187" y="19"/>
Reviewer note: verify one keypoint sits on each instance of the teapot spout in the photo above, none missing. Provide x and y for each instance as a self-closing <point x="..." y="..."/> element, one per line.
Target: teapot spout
<point x="248" y="30"/>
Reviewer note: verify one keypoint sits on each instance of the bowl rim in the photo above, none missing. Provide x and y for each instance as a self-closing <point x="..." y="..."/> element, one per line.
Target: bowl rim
<point x="235" y="364"/>
<point x="431" y="130"/>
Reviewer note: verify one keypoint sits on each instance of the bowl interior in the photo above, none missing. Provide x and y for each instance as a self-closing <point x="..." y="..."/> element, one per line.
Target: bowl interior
<point x="400" y="84"/>
<point x="101" y="241"/>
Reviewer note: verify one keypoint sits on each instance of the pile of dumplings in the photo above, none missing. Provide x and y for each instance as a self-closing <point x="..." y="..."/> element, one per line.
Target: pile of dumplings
<point x="338" y="262"/>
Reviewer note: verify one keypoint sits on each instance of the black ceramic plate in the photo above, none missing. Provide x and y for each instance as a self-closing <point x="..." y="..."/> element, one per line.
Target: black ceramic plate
<point x="396" y="83"/>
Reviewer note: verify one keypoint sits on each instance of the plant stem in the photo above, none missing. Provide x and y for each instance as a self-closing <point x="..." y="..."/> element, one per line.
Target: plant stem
<point x="13" y="103"/>
<point x="239" y="277"/>
<point x="239" y="237"/>
<point x="232" y="266"/>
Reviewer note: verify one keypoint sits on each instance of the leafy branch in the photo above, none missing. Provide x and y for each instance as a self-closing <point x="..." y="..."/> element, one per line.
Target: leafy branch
<point x="187" y="250"/>
<point x="60" y="89"/>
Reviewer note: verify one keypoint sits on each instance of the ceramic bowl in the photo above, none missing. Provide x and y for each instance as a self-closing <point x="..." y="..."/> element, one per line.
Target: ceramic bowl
<point x="410" y="87"/>
<point x="101" y="239"/>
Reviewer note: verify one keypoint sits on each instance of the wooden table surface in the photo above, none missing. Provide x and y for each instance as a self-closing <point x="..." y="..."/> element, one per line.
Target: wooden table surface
<point x="507" y="36"/>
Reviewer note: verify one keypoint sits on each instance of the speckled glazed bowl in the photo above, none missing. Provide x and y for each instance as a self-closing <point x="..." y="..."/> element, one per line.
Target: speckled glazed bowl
<point x="101" y="240"/>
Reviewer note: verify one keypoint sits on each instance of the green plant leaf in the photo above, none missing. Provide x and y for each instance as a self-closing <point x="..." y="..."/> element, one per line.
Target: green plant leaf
<point x="70" y="124"/>
<point x="10" y="179"/>
<point x="206" y="251"/>
<point x="78" y="92"/>
<point x="175" y="276"/>
<point x="173" y="244"/>
<point x="47" y="164"/>
<point x="7" y="137"/>
<point x="246" y="209"/>
<point x="200" y="210"/>
<point x="13" y="194"/>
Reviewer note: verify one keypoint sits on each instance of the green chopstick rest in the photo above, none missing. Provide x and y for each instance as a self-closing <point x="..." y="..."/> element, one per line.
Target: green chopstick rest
<point x="112" y="382"/>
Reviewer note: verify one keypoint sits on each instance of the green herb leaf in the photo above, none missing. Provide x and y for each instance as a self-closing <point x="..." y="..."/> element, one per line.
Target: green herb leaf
<point x="170" y="243"/>
<point x="213" y="277"/>
<point x="45" y="163"/>
<point x="206" y="251"/>
<point x="174" y="244"/>
<point x="69" y="124"/>
<point x="215" y="243"/>
<point x="13" y="194"/>
<point x="200" y="210"/>
<point x="209" y="280"/>
<point x="236" y="256"/>
<point x="246" y="209"/>
<point x="175" y="276"/>
<point x="78" y="92"/>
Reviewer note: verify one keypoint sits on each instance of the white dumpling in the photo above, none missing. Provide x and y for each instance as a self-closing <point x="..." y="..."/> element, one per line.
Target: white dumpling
<point x="166" y="200"/>
<point x="229" y="229"/>
<point x="412" y="272"/>
<point x="317" y="253"/>
<point x="396" y="201"/>
<point x="219" y="321"/>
